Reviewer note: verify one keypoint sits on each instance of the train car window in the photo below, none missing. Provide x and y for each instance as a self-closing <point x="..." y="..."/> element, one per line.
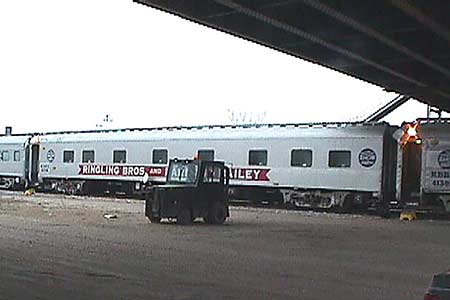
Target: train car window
<point x="207" y="155"/>
<point x="5" y="156"/>
<point x="257" y="157"/>
<point x="301" y="158"/>
<point x="88" y="156"/>
<point x="119" y="156"/>
<point x="339" y="159"/>
<point x="160" y="156"/>
<point x="16" y="155"/>
<point x="68" y="156"/>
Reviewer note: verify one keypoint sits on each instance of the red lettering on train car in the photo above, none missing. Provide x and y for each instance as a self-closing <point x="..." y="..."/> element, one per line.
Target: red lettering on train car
<point x="155" y="171"/>
<point x="249" y="174"/>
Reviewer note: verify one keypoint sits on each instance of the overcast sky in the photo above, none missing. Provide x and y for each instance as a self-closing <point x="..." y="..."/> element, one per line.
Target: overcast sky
<point x="64" y="65"/>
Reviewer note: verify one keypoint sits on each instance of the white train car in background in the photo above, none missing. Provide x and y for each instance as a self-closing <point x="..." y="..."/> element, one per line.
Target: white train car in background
<point x="13" y="161"/>
<point x="307" y="165"/>
<point x="424" y="165"/>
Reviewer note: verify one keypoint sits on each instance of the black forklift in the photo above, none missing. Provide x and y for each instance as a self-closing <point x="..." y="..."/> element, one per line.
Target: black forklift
<point x="194" y="189"/>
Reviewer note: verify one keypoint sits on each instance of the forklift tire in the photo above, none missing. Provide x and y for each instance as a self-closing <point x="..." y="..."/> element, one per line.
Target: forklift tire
<point x="184" y="217"/>
<point x="154" y="219"/>
<point x="217" y="214"/>
<point x="207" y="220"/>
<point x="151" y="217"/>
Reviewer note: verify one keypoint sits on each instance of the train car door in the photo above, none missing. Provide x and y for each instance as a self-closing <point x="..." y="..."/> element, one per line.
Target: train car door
<point x="389" y="169"/>
<point x="31" y="163"/>
<point x="411" y="173"/>
<point x="34" y="163"/>
<point x="27" y="164"/>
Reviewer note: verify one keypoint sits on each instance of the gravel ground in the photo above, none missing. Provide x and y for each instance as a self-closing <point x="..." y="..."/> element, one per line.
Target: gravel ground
<point x="56" y="247"/>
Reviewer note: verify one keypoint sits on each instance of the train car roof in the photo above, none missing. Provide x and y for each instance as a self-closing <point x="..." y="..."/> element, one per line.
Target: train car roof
<point x="224" y="132"/>
<point x="13" y="139"/>
<point x="442" y="123"/>
<point x="434" y="127"/>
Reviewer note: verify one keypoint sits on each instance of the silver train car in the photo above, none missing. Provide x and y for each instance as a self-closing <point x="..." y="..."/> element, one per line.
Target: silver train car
<point x="305" y="165"/>
<point x="327" y="165"/>
<point x="13" y="161"/>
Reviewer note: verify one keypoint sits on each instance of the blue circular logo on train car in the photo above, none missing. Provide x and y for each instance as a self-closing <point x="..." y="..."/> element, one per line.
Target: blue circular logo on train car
<point x="367" y="158"/>
<point x="444" y="159"/>
<point x="50" y="155"/>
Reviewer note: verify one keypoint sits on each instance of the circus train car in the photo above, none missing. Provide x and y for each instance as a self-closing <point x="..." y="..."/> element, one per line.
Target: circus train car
<point x="323" y="165"/>
<point x="305" y="165"/>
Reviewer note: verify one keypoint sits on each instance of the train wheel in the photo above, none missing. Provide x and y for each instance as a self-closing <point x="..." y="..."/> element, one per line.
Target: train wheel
<point x="8" y="184"/>
<point x="349" y="204"/>
<point x="383" y="210"/>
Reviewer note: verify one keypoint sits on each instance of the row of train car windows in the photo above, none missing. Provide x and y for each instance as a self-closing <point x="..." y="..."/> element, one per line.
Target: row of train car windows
<point x="5" y="156"/>
<point x="299" y="157"/>
<point x="160" y="156"/>
<point x="303" y="158"/>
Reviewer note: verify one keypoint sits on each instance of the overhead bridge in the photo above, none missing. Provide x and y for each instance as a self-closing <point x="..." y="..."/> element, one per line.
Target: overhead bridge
<point x="400" y="45"/>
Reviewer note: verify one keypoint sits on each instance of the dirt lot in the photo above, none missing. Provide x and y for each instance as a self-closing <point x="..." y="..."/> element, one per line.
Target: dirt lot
<point x="55" y="247"/>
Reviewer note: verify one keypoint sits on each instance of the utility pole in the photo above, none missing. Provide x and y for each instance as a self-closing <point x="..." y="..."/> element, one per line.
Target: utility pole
<point x="431" y="110"/>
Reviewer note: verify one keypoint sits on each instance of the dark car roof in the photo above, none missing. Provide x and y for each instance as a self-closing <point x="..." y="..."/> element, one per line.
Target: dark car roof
<point x="447" y="273"/>
<point x="440" y="286"/>
<point x="441" y="280"/>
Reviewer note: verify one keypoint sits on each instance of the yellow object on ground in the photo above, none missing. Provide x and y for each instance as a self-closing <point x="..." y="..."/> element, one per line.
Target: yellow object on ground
<point x="29" y="192"/>
<point x="408" y="216"/>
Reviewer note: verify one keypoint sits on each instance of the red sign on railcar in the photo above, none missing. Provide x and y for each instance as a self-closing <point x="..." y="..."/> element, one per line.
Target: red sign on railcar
<point x="249" y="174"/>
<point x="121" y="170"/>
